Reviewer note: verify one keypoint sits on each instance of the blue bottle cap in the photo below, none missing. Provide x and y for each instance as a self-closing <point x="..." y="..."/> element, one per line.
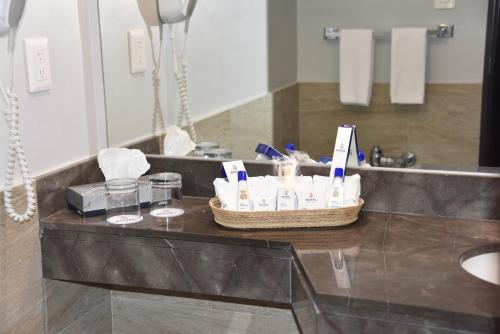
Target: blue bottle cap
<point x="242" y="176"/>
<point x="339" y="172"/>
<point x="290" y="147"/>
<point x="268" y="151"/>
<point x="223" y="172"/>
<point x="324" y="159"/>
<point x="361" y="156"/>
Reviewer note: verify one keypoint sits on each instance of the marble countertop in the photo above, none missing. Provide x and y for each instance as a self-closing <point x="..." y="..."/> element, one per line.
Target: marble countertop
<point x="385" y="262"/>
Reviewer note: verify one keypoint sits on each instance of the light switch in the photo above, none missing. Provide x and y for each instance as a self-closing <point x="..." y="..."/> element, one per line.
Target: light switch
<point x="36" y="54"/>
<point x="137" y="50"/>
<point x="444" y="4"/>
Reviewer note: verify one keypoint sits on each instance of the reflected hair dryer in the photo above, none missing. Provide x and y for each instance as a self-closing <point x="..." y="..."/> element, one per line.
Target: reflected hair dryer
<point x="11" y="12"/>
<point x="175" y="11"/>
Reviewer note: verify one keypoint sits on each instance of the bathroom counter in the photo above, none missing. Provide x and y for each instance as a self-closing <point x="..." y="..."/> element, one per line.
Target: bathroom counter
<point x="386" y="273"/>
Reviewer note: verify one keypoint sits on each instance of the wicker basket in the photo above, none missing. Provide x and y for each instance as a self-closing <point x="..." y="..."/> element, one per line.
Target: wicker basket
<point x="285" y="219"/>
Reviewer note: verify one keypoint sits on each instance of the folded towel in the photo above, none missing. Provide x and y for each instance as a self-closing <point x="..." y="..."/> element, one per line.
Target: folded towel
<point x="357" y="50"/>
<point x="408" y="65"/>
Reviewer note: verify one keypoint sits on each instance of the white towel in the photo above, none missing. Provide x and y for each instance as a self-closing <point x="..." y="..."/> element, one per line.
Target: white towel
<point x="408" y="65"/>
<point x="357" y="50"/>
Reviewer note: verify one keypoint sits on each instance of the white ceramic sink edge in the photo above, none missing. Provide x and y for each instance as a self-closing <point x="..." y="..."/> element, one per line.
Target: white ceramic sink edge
<point x="484" y="266"/>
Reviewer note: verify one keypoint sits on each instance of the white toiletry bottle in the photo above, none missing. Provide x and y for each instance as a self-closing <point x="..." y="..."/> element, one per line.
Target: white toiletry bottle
<point x="336" y="198"/>
<point x="243" y="200"/>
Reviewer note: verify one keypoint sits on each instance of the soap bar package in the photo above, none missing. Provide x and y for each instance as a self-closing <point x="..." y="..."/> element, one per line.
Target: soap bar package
<point x="89" y="200"/>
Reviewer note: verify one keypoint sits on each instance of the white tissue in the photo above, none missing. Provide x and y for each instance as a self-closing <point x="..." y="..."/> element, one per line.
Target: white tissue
<point x="177" y="142"/>
<point x="118" y="163"/>
<point x="226" y="192"/>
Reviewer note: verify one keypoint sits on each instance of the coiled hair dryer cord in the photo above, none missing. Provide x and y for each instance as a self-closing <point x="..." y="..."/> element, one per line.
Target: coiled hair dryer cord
<point x="182" y="82"/>
<point x="16" y="152"/>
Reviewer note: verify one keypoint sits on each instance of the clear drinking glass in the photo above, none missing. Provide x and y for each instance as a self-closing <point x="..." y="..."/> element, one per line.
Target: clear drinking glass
<point x="166" y="195"/>
<point x="122" y="201"/>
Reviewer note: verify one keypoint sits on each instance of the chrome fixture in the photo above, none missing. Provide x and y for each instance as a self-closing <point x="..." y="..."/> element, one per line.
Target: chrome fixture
<point x="441" y="31"/>
<point x="405" y="160"/>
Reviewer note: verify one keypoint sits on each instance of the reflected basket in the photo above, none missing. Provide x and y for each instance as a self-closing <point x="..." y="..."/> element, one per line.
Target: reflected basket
<point x="285" y="219"/>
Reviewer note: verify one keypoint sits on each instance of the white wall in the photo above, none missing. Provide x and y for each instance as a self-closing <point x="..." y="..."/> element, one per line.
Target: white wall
<point x="233" y="53"/>
<point x="129" y="98"/>
<point x="228" y="55"/>
<point x="457" y="60"/>
<point x="54" y="125"/>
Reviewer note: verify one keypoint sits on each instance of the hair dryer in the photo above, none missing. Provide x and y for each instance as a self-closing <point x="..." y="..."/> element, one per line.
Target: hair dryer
<point x="11" y="12"/>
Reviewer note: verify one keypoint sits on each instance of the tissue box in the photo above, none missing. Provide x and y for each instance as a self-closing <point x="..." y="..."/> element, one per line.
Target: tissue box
<point x="89" y="200"/>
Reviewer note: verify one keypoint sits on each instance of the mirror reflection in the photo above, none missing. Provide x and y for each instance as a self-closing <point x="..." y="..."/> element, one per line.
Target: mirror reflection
<point x="235" y="74"/>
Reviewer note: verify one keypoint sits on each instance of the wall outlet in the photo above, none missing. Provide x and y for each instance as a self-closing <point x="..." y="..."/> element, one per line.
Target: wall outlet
<point x="444" y="4"/>
<point x="137" y="50"/>
<point x="36" y="52"/>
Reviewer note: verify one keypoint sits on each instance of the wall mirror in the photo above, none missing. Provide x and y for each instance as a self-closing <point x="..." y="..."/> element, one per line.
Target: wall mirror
<point x="262" y="72"/>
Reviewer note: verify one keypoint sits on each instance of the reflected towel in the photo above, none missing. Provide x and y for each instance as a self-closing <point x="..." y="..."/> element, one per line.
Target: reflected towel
<point x="408" y="65"/>
<point x="357" y="50"/>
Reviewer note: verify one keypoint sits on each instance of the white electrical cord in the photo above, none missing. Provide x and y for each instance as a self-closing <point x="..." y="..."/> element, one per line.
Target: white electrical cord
<point x="16" y="152"/>
<point x="182" y="82"/>
<point x="158" y="115"/>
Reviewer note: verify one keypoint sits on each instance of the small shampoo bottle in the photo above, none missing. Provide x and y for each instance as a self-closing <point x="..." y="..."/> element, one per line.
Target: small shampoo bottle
<point x="243" y="200"/>
<point x="336" y="196"/>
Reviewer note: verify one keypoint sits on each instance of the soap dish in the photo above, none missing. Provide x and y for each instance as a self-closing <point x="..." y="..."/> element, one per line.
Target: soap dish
<point x="285" y="219"/>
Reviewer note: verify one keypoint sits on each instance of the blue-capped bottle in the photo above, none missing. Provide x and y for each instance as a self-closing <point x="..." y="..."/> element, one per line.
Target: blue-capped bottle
<point x="301" y="157"/>
<point x="336" y="196"/>
<point x="243" y="199"/>
<point x="361" y="159"/>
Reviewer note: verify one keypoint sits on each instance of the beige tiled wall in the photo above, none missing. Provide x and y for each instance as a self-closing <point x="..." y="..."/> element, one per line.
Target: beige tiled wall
<point x="240" y="128"/>
<point x="443" y="131"/>
<point x="27" y="305"/>
<point x="21" y="285"/>
<point x="286" y="117"/>
<point x="272" y="119"/>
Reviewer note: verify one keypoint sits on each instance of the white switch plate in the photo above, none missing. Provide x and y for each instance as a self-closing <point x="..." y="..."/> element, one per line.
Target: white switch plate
<point x="444" y="4"/>
<point x="36" y="54"/>
<point x="137" y="50"/>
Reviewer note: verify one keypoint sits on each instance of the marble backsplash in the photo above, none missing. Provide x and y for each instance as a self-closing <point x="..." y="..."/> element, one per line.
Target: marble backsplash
<point x="466" y="196"/>
<point x="442" y="131"/>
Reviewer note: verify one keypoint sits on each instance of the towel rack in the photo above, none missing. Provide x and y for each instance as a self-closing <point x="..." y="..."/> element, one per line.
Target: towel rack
<point x="441" y="31"/>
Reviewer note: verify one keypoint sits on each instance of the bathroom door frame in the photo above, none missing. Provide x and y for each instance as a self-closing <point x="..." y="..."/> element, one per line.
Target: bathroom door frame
<point x="489" y="151"/>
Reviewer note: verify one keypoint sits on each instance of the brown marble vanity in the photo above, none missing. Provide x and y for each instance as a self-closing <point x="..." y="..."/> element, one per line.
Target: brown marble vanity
<point x="388" y="273"/>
